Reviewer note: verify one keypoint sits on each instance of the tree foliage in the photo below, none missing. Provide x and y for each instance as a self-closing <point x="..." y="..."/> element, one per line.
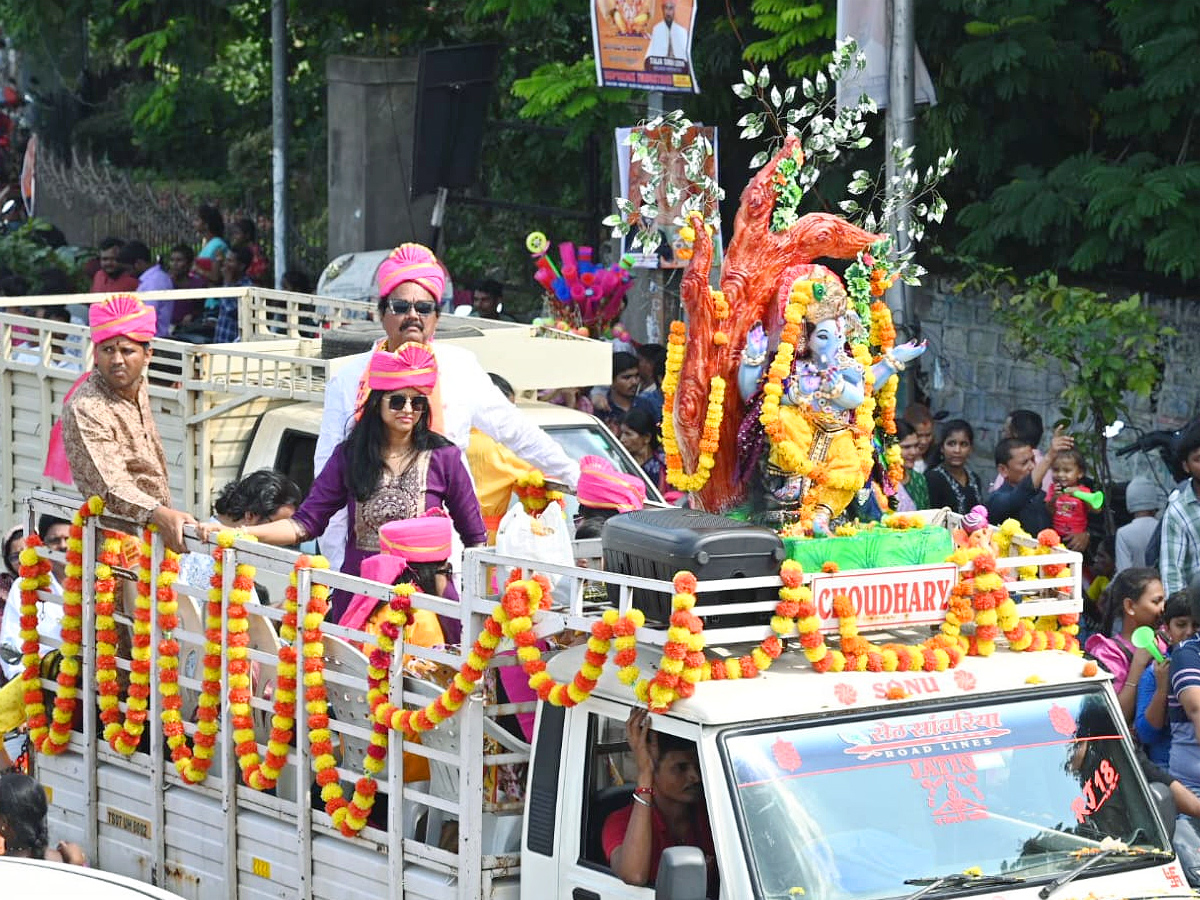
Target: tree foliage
<point x="1110" y="350"/>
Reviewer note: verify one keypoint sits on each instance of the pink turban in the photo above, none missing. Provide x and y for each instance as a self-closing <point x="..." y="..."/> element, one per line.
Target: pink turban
<point x="425" y="538"/>
<point x="122" y="315"/>
<point x="382" y="567"/>
<point x="411" y="262"/>
<point x="601" y="486"/>
<point x="412" y="366"/>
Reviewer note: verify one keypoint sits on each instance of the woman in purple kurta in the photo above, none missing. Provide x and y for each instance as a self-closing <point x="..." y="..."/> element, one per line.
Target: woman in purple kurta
<point x="393" y="465"/>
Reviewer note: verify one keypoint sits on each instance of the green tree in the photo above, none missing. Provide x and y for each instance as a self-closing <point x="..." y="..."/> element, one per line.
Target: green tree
<point x="1109" y="350"/>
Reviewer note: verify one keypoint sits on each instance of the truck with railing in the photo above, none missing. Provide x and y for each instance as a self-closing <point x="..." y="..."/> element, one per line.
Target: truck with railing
<point x="849" y="747"/>
<point x="209" y="400"/>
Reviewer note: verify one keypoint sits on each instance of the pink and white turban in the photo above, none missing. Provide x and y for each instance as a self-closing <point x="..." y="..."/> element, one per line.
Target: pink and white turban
<point x="411" y="262"/>
<point x="601" y="486"/>
<point x="425" y="538"/>
<point x="122" y="315"/>
<point x="412" y="366"/>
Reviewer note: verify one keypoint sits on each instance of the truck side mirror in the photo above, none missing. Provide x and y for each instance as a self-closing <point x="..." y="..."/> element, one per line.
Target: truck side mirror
<point x="1165" y="804"/>
<point x="682" y="875"/>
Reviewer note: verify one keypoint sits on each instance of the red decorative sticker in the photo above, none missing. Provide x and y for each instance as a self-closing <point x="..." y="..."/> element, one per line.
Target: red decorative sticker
<point x="1174" y="879"/>
<point x="786" y="755"/>
<point x="1062" y="720"/>
<point x="1096" y="791"/>
<point x="846" y="694"/>
<point x="954" y="794"/>
<point x="964" y="680"/>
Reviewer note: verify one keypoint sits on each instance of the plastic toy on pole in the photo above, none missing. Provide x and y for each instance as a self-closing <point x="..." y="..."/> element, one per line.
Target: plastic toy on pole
<point x="583" y="297"/>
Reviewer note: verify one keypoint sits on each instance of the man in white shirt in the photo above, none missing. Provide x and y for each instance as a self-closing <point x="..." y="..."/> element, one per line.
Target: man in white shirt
<point x="410" y="281"/>
<point x="669" y="39"/>
<point x="54" y="533"/>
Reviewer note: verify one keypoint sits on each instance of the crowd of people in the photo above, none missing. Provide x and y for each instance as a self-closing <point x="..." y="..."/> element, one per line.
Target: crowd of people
<point x="224" y="255"/>
<point x="394" y="498"/>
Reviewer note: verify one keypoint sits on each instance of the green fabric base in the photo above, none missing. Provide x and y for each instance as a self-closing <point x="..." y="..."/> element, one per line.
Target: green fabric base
<point x="879" y="548"/>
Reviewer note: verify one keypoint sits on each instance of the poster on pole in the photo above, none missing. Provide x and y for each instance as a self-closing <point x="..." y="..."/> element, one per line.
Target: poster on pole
<point x="644" y="44"/>
<point x="669" y="198"/>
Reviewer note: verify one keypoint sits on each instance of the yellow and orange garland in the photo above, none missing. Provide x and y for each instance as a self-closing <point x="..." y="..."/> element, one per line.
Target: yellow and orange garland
<point x="711" y="435"/>
<point x="531" y="490"/>
<point x="49" y="735"/>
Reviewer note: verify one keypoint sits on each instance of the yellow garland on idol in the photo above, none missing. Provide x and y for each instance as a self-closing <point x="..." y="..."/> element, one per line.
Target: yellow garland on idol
<point x="710" y="438"/>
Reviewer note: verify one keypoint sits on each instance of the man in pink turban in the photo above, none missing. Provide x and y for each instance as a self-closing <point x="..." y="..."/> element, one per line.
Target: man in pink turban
<point x="108" y="431"/>
<point x="605" y="491"/>
<point x="410" y="286"/>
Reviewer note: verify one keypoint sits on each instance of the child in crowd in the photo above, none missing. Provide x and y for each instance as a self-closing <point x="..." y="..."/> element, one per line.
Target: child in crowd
<point x="1136" y="595"/>
<point x="1143" y="499"/>
<point x="1150" y="722"/>
<point x="1070" y="512"/>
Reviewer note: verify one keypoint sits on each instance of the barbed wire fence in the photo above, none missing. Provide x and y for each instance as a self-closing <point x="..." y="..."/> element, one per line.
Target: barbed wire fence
<point x="103" y="200"/>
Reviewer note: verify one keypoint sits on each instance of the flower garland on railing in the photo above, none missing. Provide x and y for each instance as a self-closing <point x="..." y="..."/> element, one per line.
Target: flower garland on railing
<point x="352" y="818"/>
<point x="49" y="735"/>
<point x="123" y="735"/>
<point x="265" y="775"/>
<point x="710" y="437"/>
<point x="192" y="764"/>
<point x="241" y="711"/>
<point x="682" y="665"/>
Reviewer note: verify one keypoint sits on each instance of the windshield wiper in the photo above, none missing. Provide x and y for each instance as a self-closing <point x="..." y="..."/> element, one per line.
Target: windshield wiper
<point x="1068" y="877"/>
<point x="957" y="880"/>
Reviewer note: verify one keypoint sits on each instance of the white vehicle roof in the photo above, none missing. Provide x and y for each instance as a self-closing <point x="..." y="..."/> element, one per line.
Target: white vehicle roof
<point x="791" y="689"/>
<point x="38" y="878"/>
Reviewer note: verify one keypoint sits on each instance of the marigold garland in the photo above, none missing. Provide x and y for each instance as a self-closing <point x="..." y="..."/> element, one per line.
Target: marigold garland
<point x="682" y="665"/>
<point x="531" y="490"/>
<point x="192" y="765"/>
<point x="710" y="437"/>
<point x="522" y="599"/>
<point x="50" y="736"/>
<point x="123" y="735"/>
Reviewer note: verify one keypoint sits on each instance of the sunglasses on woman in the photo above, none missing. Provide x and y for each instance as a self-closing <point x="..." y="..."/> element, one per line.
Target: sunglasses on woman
<point x="420" y="307"/>
<point x="397" y="402"/>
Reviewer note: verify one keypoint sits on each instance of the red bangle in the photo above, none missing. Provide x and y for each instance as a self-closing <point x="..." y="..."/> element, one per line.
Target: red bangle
<point x="644" y="791"/>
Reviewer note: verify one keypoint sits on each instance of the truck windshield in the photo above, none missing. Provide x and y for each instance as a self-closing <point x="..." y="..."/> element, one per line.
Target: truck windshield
<point x="855" y="809"/>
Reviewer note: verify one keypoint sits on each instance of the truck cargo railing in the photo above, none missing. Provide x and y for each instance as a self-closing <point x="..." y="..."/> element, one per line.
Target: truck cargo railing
<point x="582" y="594"/>
<point x="135" y="815"/>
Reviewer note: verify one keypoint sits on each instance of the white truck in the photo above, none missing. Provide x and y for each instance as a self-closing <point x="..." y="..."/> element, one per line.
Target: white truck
<point x="225" y="409"/>
<point x="1011" y="776"/>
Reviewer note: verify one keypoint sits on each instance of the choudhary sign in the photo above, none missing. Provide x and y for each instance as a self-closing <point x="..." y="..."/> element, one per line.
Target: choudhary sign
<point x="913" y="595"/>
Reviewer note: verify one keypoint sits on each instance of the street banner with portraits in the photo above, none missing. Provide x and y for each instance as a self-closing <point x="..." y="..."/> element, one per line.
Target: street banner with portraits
<point x="644" y="44"/>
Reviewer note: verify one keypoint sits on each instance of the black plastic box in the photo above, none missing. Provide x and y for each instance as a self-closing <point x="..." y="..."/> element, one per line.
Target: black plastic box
<point x="657" y="543"/>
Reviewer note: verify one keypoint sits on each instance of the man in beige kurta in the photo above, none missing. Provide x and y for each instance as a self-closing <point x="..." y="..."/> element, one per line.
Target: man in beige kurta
<point x="111" y="441"/>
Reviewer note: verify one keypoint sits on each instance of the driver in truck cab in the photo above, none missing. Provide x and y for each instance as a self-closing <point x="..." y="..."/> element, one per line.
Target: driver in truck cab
<point x="667" y="808"/>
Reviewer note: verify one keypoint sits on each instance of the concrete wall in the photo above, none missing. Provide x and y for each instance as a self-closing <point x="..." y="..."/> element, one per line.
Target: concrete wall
<point x="982" y="376"/>
<point x="372" y="111"/>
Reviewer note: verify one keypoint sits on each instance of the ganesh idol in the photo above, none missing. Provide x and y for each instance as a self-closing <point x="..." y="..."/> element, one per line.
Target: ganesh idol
<point x="814" y="398"/>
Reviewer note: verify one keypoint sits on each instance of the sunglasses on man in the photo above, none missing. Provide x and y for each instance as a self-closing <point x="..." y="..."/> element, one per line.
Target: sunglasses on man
<point x="420" y="307"/>
<point x="397" y="402"/>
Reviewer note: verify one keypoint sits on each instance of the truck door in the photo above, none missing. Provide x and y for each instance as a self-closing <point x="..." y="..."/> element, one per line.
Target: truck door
<point x="598" y="781"/>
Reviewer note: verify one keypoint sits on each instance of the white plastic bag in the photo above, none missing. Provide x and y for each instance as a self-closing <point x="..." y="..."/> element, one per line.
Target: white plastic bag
<point x="534" y="539"/>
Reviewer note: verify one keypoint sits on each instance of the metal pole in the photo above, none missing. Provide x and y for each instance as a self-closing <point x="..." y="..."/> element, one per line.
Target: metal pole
<point x="900" y="128"/>
<point x="279" y="133"/>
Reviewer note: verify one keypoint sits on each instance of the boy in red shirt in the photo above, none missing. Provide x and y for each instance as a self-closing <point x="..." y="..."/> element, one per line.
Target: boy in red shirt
<point x="1069" y="512"/>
